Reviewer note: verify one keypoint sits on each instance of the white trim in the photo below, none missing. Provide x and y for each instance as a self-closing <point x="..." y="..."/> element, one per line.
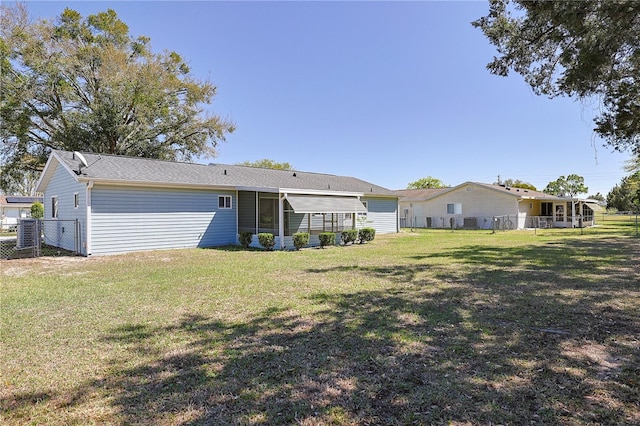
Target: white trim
<point x="224" y="202"/>
<point x="320" y="192"/>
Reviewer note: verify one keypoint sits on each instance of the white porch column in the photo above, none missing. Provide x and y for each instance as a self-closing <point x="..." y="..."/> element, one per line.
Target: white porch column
<point x="281" y="219"/>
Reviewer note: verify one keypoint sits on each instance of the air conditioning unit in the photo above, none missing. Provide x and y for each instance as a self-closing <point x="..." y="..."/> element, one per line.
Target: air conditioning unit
<point x="27" y="233"/>
<point x="470" y="223"/>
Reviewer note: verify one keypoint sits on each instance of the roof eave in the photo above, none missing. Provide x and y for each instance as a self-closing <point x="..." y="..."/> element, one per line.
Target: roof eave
<point x="156" y="184"/>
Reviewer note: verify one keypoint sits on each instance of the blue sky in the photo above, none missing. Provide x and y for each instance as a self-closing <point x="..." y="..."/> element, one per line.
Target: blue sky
<point x="388" y="92"/>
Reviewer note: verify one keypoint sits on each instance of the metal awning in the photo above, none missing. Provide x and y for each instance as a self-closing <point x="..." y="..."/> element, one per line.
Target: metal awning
<point x="595" y="206"/>
<point x="325" y="204"/>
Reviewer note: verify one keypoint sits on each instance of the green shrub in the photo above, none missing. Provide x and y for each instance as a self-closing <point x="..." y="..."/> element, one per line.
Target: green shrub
<point x="327" y="239"/>
<point x="349" y="236"/>
<point x="267" y="240"/>
<point x="366" y="234"/>
<point x="37" y="210"/>
<point x="246" y="238"/>
<point x="300" y="239"/>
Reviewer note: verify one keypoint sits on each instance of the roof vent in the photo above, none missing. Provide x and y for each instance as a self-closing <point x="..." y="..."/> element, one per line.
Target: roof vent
<point x="225" y="171"/>
<point x="294" y="174"/>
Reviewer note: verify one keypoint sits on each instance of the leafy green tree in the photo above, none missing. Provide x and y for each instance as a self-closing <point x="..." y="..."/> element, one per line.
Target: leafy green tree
<point x="37" y="210"/>
<point x="626" y="195"/>
<point x="265" y="163"/>
<point x="426" y="182"/>
<point x="598" y="196"/>
<point x="24" y="185"/>
<point x="86" y="84"/>
<point x="517" y="183"/>
<point x="568" y="186"/>
<point x="574" y="48"/>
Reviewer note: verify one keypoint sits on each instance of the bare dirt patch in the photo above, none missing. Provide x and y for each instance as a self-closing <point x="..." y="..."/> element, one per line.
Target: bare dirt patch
<point x="37" y="266"/>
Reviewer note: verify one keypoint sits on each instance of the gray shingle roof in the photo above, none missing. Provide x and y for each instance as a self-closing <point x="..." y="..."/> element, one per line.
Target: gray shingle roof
<point x="144" y="170"/>
<point x="419" y="194"/>
<point x="406" y="195"/>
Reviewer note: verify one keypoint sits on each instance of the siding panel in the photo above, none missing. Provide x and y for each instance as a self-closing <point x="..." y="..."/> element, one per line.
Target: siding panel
<point x="63" y="186"/>
<point x="382" y="214"/>
<point x="133" y="219"/>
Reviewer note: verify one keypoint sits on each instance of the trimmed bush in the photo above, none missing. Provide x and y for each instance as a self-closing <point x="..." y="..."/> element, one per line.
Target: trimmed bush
<point x="300" y="239"/>
<point x="246" y="238"/>
<point x="366" y="234"/>
<point x="327" y="239"/>
<point x="349" y="236"/>
<point x="37" y="210"/>
<point x="267" y="240"/>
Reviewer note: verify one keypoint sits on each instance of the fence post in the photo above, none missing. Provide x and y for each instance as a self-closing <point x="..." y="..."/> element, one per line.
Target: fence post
<point x="75" y="236"/>
<point x="38" y="238"/>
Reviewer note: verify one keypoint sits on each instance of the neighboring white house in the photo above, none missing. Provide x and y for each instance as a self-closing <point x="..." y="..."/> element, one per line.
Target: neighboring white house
<point x="124" y="204"/>
<point x="476" y="206"/>
<point x="13" y="208"/>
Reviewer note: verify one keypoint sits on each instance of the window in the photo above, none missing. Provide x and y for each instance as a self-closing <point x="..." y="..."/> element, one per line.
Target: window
<point x="268" y="213"/>
<point x="76" y="200"/>
<point x="454" y="208"/>
<point x="54" y="207"/>
<point x="224" y="202"/>
<point x="362" y="217"/>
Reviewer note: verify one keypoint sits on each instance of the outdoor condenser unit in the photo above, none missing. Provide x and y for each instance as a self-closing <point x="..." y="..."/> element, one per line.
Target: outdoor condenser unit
<point x="27" y="233"/>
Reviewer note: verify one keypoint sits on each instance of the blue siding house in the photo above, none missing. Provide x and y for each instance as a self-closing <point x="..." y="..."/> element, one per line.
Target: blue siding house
<point x="126" y="204"/>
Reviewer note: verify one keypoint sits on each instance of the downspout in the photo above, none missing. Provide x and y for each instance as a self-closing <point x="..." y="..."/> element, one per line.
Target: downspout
<point x="281" y="219"/>
<point x="88" y="221"/>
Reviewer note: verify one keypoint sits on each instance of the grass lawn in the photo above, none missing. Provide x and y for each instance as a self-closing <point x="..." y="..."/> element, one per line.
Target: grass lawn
<point x="429" y="327"/>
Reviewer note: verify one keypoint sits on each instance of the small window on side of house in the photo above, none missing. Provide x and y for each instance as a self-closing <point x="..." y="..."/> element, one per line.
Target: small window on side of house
<point x="76" y="200"/>
<point x="363" y="215"/>
<point x="54" y="207"/>
<point x="224" y="201"/>
<point x="454" y="208"/>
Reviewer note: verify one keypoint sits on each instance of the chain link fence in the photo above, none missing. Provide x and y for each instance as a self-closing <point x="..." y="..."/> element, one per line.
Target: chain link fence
<point x="41" y="237"/>
<point x="503" y="223"/>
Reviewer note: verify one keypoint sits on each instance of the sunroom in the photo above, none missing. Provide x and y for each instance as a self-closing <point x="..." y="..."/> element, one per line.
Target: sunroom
<point x="285" y="213"/>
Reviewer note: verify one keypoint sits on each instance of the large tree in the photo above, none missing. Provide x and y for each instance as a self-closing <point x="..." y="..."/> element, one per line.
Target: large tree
<point x="574" y="48"/>
<point x="426" y="182"/>
<point x="516" y="183"/>
<point x="86" y="84"/>
<point x="626" y="195"/>
<point x="568" y="186"/>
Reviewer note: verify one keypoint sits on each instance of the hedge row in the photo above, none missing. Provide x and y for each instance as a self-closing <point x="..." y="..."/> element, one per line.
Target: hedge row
<point x="301" y="239"/>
